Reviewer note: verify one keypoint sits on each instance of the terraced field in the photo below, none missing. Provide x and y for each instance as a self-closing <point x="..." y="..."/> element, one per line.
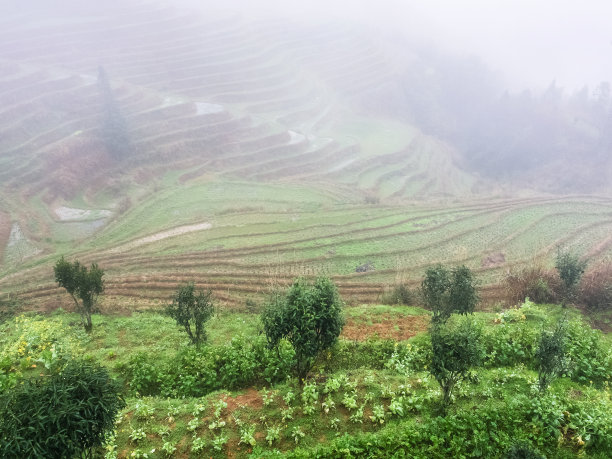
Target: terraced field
<point x="246" y="251"/>
<point x="250" y="163"/>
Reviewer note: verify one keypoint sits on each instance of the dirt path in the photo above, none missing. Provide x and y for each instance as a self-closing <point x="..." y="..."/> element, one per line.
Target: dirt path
<point x="161" y="235"/>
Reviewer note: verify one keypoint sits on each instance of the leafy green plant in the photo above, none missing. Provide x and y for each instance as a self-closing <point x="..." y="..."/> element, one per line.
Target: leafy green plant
<point x="169" y="448"/>
<point x="191" y="311"/>
<point x="550" y="355"/>
<point x="309" y="317"/>
<point x="297" y="434"/>
<point x="272" y="434"/>
<point x="378" y="414"/>
<point x="310" y="398"/>
<point x="136" y="435"/>
<point x="219" y="442"/>
<point x="247" y="435"/>
<point x="71" y="413"/>
<point x="198" y="445"/>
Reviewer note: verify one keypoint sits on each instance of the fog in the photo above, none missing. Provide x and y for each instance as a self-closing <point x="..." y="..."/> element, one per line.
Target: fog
<point x="531" y="42"/>
<point x="512" y="89"/>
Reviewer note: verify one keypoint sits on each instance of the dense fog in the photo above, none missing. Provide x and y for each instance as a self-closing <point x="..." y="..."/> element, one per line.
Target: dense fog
<point x="520" y="89"/>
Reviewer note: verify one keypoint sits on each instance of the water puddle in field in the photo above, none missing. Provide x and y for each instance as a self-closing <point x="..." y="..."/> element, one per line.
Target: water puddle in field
<point x="73" y="214"/>
<point x="162" y="235"/>
<point x="203" y="108"/>
<point x="295" y="137"/>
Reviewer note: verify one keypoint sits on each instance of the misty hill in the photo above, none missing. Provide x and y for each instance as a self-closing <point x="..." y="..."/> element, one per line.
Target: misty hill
<point x="160" y="140"/>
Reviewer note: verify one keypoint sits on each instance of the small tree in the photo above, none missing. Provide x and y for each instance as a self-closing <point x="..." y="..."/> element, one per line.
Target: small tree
<point x="570" y="269"/>
<point x="192" y="310"/>
<point x="309" y="317"/>
<point x="456" y="349"/>
<point x="62" y="416"/>
<point x="446" y="292"/>
<point x="81" y="283"/>
<point x="550" y="355"/>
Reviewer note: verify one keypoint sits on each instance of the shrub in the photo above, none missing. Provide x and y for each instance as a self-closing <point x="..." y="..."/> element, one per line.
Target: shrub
<point x="399" y="294"/>
<point x="62" y="416"/>
<point x="595" y="289"/>
<point x="550" y="354"/>
<point x="456" y="349"/>
<point x="534" y="282"/>
<point x="309" y="317"/>
<point x="522" y="450"/>
<point x="570" y="269"/>
<point x="195" y="373"/>
<point x="191" y="311"/>
<point x="446" y="292"/>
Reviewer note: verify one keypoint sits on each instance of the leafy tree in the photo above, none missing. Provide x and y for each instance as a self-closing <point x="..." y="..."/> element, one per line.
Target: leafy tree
<point x="62" y="416"/>
<point x="456" y="349"/>
<point x="570" y="269"/>
<point x="192" y="310"/>
<point x="309" y="317"/>
<point x="550" y="355"/>
<point x="445" y="292"/>
<point x="81" y="283"/>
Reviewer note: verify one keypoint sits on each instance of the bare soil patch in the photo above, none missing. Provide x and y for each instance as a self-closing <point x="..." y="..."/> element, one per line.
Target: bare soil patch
<point x="385" y="326"/>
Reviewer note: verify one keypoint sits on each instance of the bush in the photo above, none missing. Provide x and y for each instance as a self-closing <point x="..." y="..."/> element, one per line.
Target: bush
<point x="595" y="289"/>
<point x="550" y="354"/>
<point x="570" y="269"/>
<point x="62" y="416"/>
<point x="446" y="292"/>
<point x="456" y="349"/>
<point x="399" y="294"/>
<point x="195" y="373"/>
<point x="309" y="317"/>
<point x="191" y="311"/>
<point x="534" y="282"/>
<point x="522" y="450"/>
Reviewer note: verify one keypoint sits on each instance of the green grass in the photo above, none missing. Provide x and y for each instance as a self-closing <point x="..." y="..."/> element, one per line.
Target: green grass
<point x="254" y="413"/>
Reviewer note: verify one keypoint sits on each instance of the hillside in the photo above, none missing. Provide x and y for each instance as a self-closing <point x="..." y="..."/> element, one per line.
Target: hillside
<point x="252" y="155"/>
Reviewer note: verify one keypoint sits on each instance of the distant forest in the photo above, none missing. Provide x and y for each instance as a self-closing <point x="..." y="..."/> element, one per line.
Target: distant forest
<point x="561" y="139"/>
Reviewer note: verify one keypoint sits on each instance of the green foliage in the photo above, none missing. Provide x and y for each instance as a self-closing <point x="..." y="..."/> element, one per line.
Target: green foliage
<point x="61" y="416"/>
<point x="399" y="294"/>
<point x="550" y="354"/>
<point x="194" y="373"/>
<point x="456" y="349"/>
<point x="80" y="282"/>
<point x="35" y="342"/>
<point x="309" y="317"/>
<point x="9" y="308"/>
<point x="191" y="311"/>
<point x="446" y="292"/>
<point x="522" y="450"/>
<point x="570" y="269"/>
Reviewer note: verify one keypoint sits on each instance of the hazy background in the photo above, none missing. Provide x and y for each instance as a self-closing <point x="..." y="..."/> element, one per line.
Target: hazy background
<point x="531" y="42"/>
